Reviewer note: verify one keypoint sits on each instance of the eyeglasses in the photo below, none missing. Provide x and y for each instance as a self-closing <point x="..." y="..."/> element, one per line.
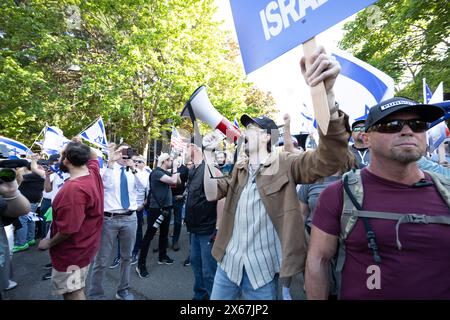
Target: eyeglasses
<point x="395" y="126"/>
<point x="138" y="161"/>
<point x="359" y="129"/>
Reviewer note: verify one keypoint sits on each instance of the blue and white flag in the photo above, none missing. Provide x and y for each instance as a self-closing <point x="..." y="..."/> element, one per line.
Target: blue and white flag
<point x="236" y="124"/>
<point x="15" y="148"/>
<point x="308" y="122"/>
<point x="437" y="134"/>
<point x="99" y="157"/>
<point x="438" y="95"/>
<point x="360" y="86"/>
<point x="96" y="134"/>
<point x="54" y="140"/>
<point x="427" y="92"/>
<point x="266" y="29"/>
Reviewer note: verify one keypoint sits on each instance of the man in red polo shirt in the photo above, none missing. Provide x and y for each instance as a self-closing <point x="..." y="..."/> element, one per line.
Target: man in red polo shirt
<point x="77" y="221"/>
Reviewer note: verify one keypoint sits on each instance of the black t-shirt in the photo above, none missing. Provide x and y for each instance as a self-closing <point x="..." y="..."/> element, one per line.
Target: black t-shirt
<point x="159" y="189"/>
<point x="32" y="187"/>
<point x="179" y="189"/>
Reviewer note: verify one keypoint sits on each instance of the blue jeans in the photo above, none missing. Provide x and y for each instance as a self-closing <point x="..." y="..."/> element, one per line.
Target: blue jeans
<point x="28" y="230"/>
<point x="177" y="208"/>
<point x="224" y="289"/>
<point x="203" y="265"/>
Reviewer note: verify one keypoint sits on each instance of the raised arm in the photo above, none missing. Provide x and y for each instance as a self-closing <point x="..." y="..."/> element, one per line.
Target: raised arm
<point x="211" y="185"/>
<point x="288" y="144"/>
<point x="331" y="152"/>
<point x="114" y="155"/>
<point x="34" y="166"/>
<point x="322" y="67"/>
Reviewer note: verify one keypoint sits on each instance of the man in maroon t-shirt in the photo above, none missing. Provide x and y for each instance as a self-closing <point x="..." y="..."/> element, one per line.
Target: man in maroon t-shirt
<point x="77" y="221"/>
<point x="407" y="262"/>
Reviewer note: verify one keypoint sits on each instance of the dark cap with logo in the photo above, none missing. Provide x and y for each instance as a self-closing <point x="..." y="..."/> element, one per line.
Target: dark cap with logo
<point x="262" y="121"/>
<point x="426" y="112"/>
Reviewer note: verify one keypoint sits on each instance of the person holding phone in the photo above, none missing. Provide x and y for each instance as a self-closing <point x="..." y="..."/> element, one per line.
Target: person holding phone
<point x="119" y="221"/>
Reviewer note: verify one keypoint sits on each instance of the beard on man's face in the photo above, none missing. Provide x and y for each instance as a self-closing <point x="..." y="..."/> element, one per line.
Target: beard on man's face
<point x="63" y="167"/>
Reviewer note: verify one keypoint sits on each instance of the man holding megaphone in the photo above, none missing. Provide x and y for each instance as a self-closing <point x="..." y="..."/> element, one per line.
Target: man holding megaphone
<point x="261" y="233"/>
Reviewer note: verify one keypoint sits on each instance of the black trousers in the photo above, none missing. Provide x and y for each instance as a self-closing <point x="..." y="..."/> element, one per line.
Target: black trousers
<point x="153" y="214"/>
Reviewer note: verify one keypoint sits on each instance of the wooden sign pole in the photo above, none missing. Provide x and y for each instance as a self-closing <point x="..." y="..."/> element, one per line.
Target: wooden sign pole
<point x="318" y="92"/>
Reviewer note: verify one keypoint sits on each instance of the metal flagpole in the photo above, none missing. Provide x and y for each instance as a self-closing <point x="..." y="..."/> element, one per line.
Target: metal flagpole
<point x="424" y="90"/>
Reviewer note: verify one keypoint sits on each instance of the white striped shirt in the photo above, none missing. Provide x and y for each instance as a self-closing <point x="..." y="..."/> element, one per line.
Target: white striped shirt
<point x="254" y="244"/>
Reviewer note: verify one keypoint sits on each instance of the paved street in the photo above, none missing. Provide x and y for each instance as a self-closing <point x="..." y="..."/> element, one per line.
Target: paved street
<point x="166" y="282"/>
<point x="172" y="282"/>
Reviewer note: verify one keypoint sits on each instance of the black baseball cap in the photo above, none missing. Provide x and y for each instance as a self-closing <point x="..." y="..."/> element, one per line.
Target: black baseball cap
<point x="53" y="157"/>
<point x="261" y="121"/>
<point x="354" y="124"/>
<point x="426" y="112"/>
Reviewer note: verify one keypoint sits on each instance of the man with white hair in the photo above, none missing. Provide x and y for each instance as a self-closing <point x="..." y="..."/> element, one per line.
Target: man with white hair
<point x="159" y="208"/>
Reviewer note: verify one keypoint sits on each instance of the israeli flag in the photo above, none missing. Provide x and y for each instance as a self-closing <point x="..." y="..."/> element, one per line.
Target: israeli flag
<point x="54" y="140"/>
<point x="96" y="134"/>
<point x="99" y="157"/>
<point x="15" y="148"/>
<point x="360" y="86"/>
<point x="427" y="92"/>
<point x="236" y="124"/>
<point x="437" y="133"/>
<point x="308" y="123"/>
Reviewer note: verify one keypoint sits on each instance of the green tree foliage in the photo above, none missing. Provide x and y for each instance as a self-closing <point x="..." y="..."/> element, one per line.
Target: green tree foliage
<point x="133" y="62"/>
<point x="407" y="39"/>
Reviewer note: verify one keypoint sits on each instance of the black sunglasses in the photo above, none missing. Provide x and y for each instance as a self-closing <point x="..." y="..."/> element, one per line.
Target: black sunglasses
<point x="395" y="126"/>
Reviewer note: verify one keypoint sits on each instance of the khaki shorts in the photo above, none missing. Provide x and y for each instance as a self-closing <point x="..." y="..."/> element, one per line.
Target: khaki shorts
<point x="72" y="280"/>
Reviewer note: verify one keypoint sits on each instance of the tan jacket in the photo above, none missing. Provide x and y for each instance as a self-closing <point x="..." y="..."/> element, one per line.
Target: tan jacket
<point x="276" y="183"/>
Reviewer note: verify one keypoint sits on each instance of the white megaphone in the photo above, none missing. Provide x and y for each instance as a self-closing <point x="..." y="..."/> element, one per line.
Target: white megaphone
<point x="202" y="109"/>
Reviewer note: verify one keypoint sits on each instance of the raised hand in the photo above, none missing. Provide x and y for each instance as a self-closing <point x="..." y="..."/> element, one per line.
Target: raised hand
<point x="211" y="141"/>
<point x="320" y="67"/>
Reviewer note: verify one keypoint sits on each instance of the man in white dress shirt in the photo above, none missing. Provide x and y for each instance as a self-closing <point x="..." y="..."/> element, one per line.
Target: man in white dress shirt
<point x="120" y="221"/>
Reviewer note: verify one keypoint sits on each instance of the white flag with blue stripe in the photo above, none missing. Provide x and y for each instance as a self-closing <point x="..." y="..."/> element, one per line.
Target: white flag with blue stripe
<point x="437" y="134"/>
<point x="15" y="148"/>
<point x="96" y="134"/>
<point x="308" y="123"/>
<point x="54" y="140"/>
<point x="360" y="86"/>
<point x="427" y="92"/>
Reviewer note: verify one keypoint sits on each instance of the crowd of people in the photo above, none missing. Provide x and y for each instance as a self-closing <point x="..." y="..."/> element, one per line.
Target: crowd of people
<point x="365" y="215"/>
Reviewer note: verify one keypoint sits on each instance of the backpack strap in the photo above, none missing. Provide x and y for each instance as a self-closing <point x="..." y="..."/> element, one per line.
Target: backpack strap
<point x="442" y="184"/>
<point x="348" y="221"/>
<point x="353" y="198"/>
<point x="352" y="182"/>
<point x="403" y="218"/>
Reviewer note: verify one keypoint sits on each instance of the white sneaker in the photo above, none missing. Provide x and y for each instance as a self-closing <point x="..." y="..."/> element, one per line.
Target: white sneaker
<point x="12" y="285"/>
